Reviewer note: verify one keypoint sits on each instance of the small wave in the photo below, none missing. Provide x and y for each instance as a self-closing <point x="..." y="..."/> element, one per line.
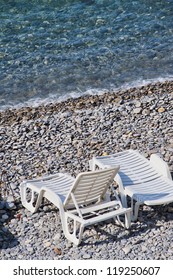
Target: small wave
<point x="52" y="98"/>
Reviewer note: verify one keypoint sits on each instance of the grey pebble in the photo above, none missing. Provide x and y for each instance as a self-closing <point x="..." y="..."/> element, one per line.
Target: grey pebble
<point x="127" y="249"/>
<point x="10" y="205"/>
<point x="2" y="205"/>
<point x="137" y="110"/>
<point x="87" y="256"/>
<point x="5" y="217"/>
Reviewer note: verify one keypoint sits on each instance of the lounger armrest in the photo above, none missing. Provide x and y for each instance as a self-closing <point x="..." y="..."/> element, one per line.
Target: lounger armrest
<point x="160" y="165"/>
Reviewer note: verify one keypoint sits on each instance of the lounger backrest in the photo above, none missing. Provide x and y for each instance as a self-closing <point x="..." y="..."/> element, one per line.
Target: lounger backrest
<point x="91" y="186"/>
<point x="134" y="168"/>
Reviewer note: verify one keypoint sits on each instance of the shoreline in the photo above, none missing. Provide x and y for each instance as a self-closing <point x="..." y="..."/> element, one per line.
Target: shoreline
<point x="62" y="137"/>
<point x="82" y="102"/>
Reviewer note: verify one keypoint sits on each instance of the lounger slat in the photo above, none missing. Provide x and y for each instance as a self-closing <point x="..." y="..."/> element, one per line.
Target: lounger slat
<point x="102" y="180"/>
<point x="133" y="180"/>
<point x="84" y="197"/>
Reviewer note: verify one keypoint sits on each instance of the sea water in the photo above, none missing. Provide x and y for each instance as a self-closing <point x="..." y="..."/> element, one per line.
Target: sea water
<point x="53" y="49"/>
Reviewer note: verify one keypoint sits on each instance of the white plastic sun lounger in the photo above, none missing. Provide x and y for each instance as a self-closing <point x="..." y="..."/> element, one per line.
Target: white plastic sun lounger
<point x="144" y="181"/>
<point x="81" y="201"/>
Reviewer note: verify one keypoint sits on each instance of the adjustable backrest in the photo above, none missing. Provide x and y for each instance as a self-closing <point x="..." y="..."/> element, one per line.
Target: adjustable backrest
<point x="134" y="168"/>
<point x="90" y="186"/>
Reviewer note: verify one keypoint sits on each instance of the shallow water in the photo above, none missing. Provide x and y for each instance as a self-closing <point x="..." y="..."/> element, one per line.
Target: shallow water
<point x="53" y="49"/>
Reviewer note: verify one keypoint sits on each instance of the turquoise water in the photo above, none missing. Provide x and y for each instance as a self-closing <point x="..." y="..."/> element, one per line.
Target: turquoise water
<point x="54" y="49"/>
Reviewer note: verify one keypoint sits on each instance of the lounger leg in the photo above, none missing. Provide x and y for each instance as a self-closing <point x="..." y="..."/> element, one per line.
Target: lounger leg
<point x="135" y="209"/>
<point x="121" y="190"/>
<point x="73" y="236"/>
<point x="29" y="204"/>
<point x="127" y="223"/>
<point x="127" y="220"/>
<point x="123" y="199"/>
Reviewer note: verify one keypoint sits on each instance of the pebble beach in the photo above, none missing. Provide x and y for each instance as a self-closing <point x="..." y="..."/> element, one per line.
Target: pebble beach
<point x="62" y="137"/>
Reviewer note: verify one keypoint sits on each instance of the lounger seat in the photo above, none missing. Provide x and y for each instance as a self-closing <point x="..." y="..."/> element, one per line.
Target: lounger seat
<point x="81" y="201"/>
<point x="144" y="181"/>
